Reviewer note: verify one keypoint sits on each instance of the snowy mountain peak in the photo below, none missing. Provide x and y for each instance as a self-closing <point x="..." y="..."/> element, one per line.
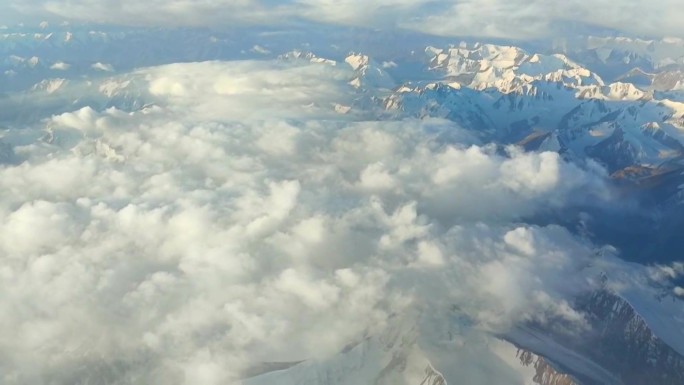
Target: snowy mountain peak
<point x="624" y="91"/>
<point x="506" y="68"/>
<point x="49" y="85"/>
<point x="357" y="61"/>
<point x="305" y="55"/>
<point x="369" y="73"/>
<point x="615" y="91"/>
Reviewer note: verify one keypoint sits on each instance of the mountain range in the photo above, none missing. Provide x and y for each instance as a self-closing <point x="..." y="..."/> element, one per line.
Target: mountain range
<point x="609" y="103"/>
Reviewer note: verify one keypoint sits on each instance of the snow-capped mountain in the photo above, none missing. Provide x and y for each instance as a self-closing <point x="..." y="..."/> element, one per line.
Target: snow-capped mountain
<point x="618" y="347"/>
<point x="424" y="351"/>
<point x="626" y="51"/>
<point x="546" y="102"/>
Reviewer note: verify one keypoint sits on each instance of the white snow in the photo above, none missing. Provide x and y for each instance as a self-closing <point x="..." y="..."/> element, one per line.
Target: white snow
<point x="102" y="67"/>
<point x="357" y="61"/>
<point x="261" y="50"/>
<point x="60" y="66"/>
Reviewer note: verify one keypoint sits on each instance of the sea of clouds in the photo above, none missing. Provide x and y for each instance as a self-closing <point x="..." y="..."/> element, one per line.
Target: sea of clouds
<point x="239" y="218"/>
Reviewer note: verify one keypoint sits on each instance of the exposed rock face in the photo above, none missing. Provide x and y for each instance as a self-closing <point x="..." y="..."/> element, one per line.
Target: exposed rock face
<point x="432" y="377"/>
<point x="546" y="374"/>
<point x="623" y="343"/>
<point x="618" y="345"/>
<point x="615" y="152"/>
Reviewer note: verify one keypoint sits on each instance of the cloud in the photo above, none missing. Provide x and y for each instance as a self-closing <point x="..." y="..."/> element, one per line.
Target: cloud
<point x="102" y="67"/>
<point x="232" y="95"/>
<point x="539" y="19"/>
<point x="152" y="12"/>
<point x="486" y="18"/>
<point x="60" y="66"/>
<point x="233" y="222"/>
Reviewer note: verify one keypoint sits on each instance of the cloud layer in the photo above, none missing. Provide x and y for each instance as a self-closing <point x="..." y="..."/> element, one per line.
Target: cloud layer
<point x="238" y="217"/>
<point x="492" y="18"/>
<point x="185" y="241"/>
